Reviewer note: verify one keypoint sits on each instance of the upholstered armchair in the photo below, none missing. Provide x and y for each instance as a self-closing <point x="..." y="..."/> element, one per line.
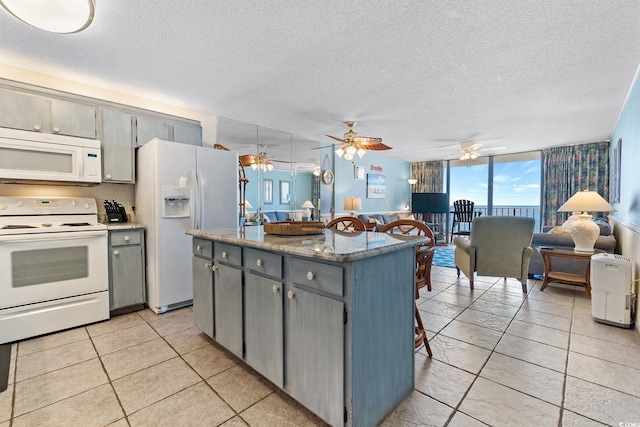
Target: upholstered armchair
<point x="497" y="246"/>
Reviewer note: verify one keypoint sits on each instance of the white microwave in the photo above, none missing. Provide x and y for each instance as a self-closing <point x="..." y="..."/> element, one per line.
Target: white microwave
<point x="27" y="157"/>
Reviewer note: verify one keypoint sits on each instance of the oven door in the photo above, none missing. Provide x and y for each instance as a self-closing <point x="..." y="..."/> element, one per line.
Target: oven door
<point x="47" y="266"/>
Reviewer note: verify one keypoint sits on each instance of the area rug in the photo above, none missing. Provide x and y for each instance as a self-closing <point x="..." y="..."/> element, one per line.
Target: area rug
<point x="443" y="256"/>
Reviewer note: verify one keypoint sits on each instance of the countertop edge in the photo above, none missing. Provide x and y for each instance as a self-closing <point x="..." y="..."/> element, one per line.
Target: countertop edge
<point x="285" y="246"/>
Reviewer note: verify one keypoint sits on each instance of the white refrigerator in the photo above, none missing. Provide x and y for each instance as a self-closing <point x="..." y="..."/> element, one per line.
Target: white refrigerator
<point x="181" y="187"/>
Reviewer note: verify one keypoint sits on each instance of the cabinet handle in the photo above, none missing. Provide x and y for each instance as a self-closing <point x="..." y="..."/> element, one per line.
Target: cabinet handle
<point x="259" y="262"/>
<point x="116" y="252"/>
<point x="126" y="238"/>
<point x="198" y="248"/>
<point x="310" y="275"/>
<point x="214" y="268"/>
<point x="56" y="129"/>
<point x="224" y="254"/>
<point x="275" y="289"/>
<point x="36" y="128"/>
<point x="291" y="294"/>
<point x="107" y="176"/>
<point x="207" y="265"/>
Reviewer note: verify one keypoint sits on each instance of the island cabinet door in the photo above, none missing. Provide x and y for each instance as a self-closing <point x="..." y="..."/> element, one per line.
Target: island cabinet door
<point x="203" y="295"/>
<point x="228" y="307"/>
<point x="314" y="353"/>
<point x="264" y="347"/>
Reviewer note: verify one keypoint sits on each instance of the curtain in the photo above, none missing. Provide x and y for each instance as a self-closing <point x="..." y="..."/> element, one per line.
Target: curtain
<point x="429" y="176"/>
<point x="315" y="197"/>
<point x="569" y="169"/>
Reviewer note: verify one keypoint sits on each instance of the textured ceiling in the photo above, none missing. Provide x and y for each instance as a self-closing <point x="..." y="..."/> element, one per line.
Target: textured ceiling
<point x="422" y="75"/>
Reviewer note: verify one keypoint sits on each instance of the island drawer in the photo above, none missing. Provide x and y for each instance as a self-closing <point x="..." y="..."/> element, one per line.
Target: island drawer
<point x="316" y="275"/>
<point x="203" y="248"/>
<point x="129" y="237"/>
<point x="264" y="262"/>
<point x="227" y="254"/>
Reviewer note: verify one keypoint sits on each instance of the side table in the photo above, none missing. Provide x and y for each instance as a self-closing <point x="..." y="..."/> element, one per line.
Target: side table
<point x="550" y="252"/>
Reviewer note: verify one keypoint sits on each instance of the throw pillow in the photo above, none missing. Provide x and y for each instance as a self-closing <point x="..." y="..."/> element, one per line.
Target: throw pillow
<point x="605" y="227"/>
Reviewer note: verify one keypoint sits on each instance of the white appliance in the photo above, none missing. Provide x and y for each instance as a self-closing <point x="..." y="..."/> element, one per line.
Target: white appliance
<point x="181" y="187"/>
<point x="33" y="156"/>
<point x="53" y="265"/>
<point x="611" y="296"/>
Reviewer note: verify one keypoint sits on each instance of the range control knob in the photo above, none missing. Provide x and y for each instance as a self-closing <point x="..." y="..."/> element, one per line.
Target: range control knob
<point x="3" y="206"/>
<point x="19" y="203"/>
<point x="87" y="205"/>
<point x="74" y="203"/>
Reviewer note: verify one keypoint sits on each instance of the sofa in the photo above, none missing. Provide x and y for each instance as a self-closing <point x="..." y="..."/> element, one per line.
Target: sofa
<point x="377" y="221"/>
<point x="560" y="236"/>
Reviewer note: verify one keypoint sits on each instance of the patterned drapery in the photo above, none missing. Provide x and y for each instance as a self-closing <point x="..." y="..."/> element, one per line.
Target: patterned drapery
<point x="429" y="176"/>
<point x="569" y="169"/>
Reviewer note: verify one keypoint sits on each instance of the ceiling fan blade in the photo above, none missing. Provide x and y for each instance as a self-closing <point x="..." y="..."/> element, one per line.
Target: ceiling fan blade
<point x="337" y="139"/>
<point x="247" y="159"/>
<point x="365" y="140"/>
<point x="324" y="146"/>
<point x="376" y="146"/>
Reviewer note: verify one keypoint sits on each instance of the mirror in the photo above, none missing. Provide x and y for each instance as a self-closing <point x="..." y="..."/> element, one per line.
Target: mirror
<point x="279" y="157"/>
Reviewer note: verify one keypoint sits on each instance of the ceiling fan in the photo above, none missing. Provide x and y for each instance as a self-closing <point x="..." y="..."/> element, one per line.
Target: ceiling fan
<point x="353" y="144"/>
<point x="259" y="161"/>
<point x="469" y="149"/>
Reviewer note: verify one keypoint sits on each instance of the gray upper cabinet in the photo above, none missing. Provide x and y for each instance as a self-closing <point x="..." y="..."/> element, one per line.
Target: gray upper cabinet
<point x="187" y="134"/>
<point x="73" y="119"/>
<point x="117" y="147"/>
<point x="22" y="111"/>
<point x="41" y="114"/>
<point x="148" y="128"/>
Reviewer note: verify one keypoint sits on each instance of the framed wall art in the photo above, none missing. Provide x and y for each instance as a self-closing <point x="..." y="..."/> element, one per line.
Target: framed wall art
<point x="375" y="186"/>
<point x="268" y="191"/>
<point x="285" y="195"/>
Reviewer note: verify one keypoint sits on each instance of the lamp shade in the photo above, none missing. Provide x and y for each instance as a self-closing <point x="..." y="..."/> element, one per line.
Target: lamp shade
<point x="352" y="204"/>
<point x="307" y="204"/>
<point x="586" y="201"/>
<point x="247" y="205"/>
<point x="56" y="16"/>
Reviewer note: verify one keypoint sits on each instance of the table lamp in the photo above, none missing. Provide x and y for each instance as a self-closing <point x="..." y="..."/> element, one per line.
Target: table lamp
<point x="308" y="205"/>
<point x="352" y="204"/>
<point x="584" y="231"/>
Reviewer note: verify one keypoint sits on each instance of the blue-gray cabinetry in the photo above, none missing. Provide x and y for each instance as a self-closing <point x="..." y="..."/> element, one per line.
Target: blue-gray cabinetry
<point x="126" y="270"/>
<point x="203" y="286"/>
<point x="332" y="330"/>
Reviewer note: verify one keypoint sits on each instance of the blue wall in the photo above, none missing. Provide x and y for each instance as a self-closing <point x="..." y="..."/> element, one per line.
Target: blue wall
<point x="397" y="189"/>
<point x="628" y="129"/>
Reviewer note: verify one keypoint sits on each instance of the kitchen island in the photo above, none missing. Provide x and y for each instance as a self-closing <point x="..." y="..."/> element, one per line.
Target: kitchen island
<point x="328" y="318"/>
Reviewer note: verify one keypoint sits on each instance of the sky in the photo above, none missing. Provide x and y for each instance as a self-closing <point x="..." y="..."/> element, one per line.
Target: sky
<point x="514" y="183"/>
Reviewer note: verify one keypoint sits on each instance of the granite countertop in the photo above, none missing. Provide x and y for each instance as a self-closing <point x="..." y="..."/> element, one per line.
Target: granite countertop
<point x="329" y="245"/>
<point x="124" y="225"/>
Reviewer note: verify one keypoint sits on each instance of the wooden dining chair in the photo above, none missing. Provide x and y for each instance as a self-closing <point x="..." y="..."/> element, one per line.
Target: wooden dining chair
<point x="424" y="260"/>
<point x="346" y="223"/>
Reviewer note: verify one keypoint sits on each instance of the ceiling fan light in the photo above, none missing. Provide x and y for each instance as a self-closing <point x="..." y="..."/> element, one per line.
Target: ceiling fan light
<point x="340" y="152"/>
<point x="59" y="16"/>
<point x="270" y="166"/>
<point x="348" y="156"/>
<point x="351" y="150"/>
<point x="254" y="166"/>
<point x="474" y="155"/>
<point x="361" y="152"/>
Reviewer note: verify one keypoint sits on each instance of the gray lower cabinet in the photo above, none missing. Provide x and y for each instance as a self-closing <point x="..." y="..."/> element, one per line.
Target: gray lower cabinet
<point x="314" y="353"/>
<point x="203" y="316"/>
<point x="126" y="270"/>
<point x="227" y="279"/>
<point x="264" y="314"/>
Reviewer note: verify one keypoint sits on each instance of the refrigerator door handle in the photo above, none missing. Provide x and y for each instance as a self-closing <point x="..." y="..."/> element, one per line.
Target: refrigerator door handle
<point x="196" y="201"/>
<point x="200" y="200"/>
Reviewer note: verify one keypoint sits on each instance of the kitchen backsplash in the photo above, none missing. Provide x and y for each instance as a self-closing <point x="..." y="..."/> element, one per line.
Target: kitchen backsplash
<point x="123" y="193"/>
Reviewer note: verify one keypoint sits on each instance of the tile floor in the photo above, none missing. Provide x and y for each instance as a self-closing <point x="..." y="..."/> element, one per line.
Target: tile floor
<point x="500" y="358"/>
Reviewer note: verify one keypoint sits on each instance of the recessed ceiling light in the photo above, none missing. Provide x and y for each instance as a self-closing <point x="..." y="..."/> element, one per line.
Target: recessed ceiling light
<point x="56" y="16"/>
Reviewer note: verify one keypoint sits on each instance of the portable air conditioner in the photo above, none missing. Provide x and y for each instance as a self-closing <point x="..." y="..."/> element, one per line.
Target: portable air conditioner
<point x="611" y="297"/>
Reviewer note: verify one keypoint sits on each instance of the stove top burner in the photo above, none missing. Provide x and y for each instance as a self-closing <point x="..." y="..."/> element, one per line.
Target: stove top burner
<point x="75" y="224"/>
<point x="17" y="227"/>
